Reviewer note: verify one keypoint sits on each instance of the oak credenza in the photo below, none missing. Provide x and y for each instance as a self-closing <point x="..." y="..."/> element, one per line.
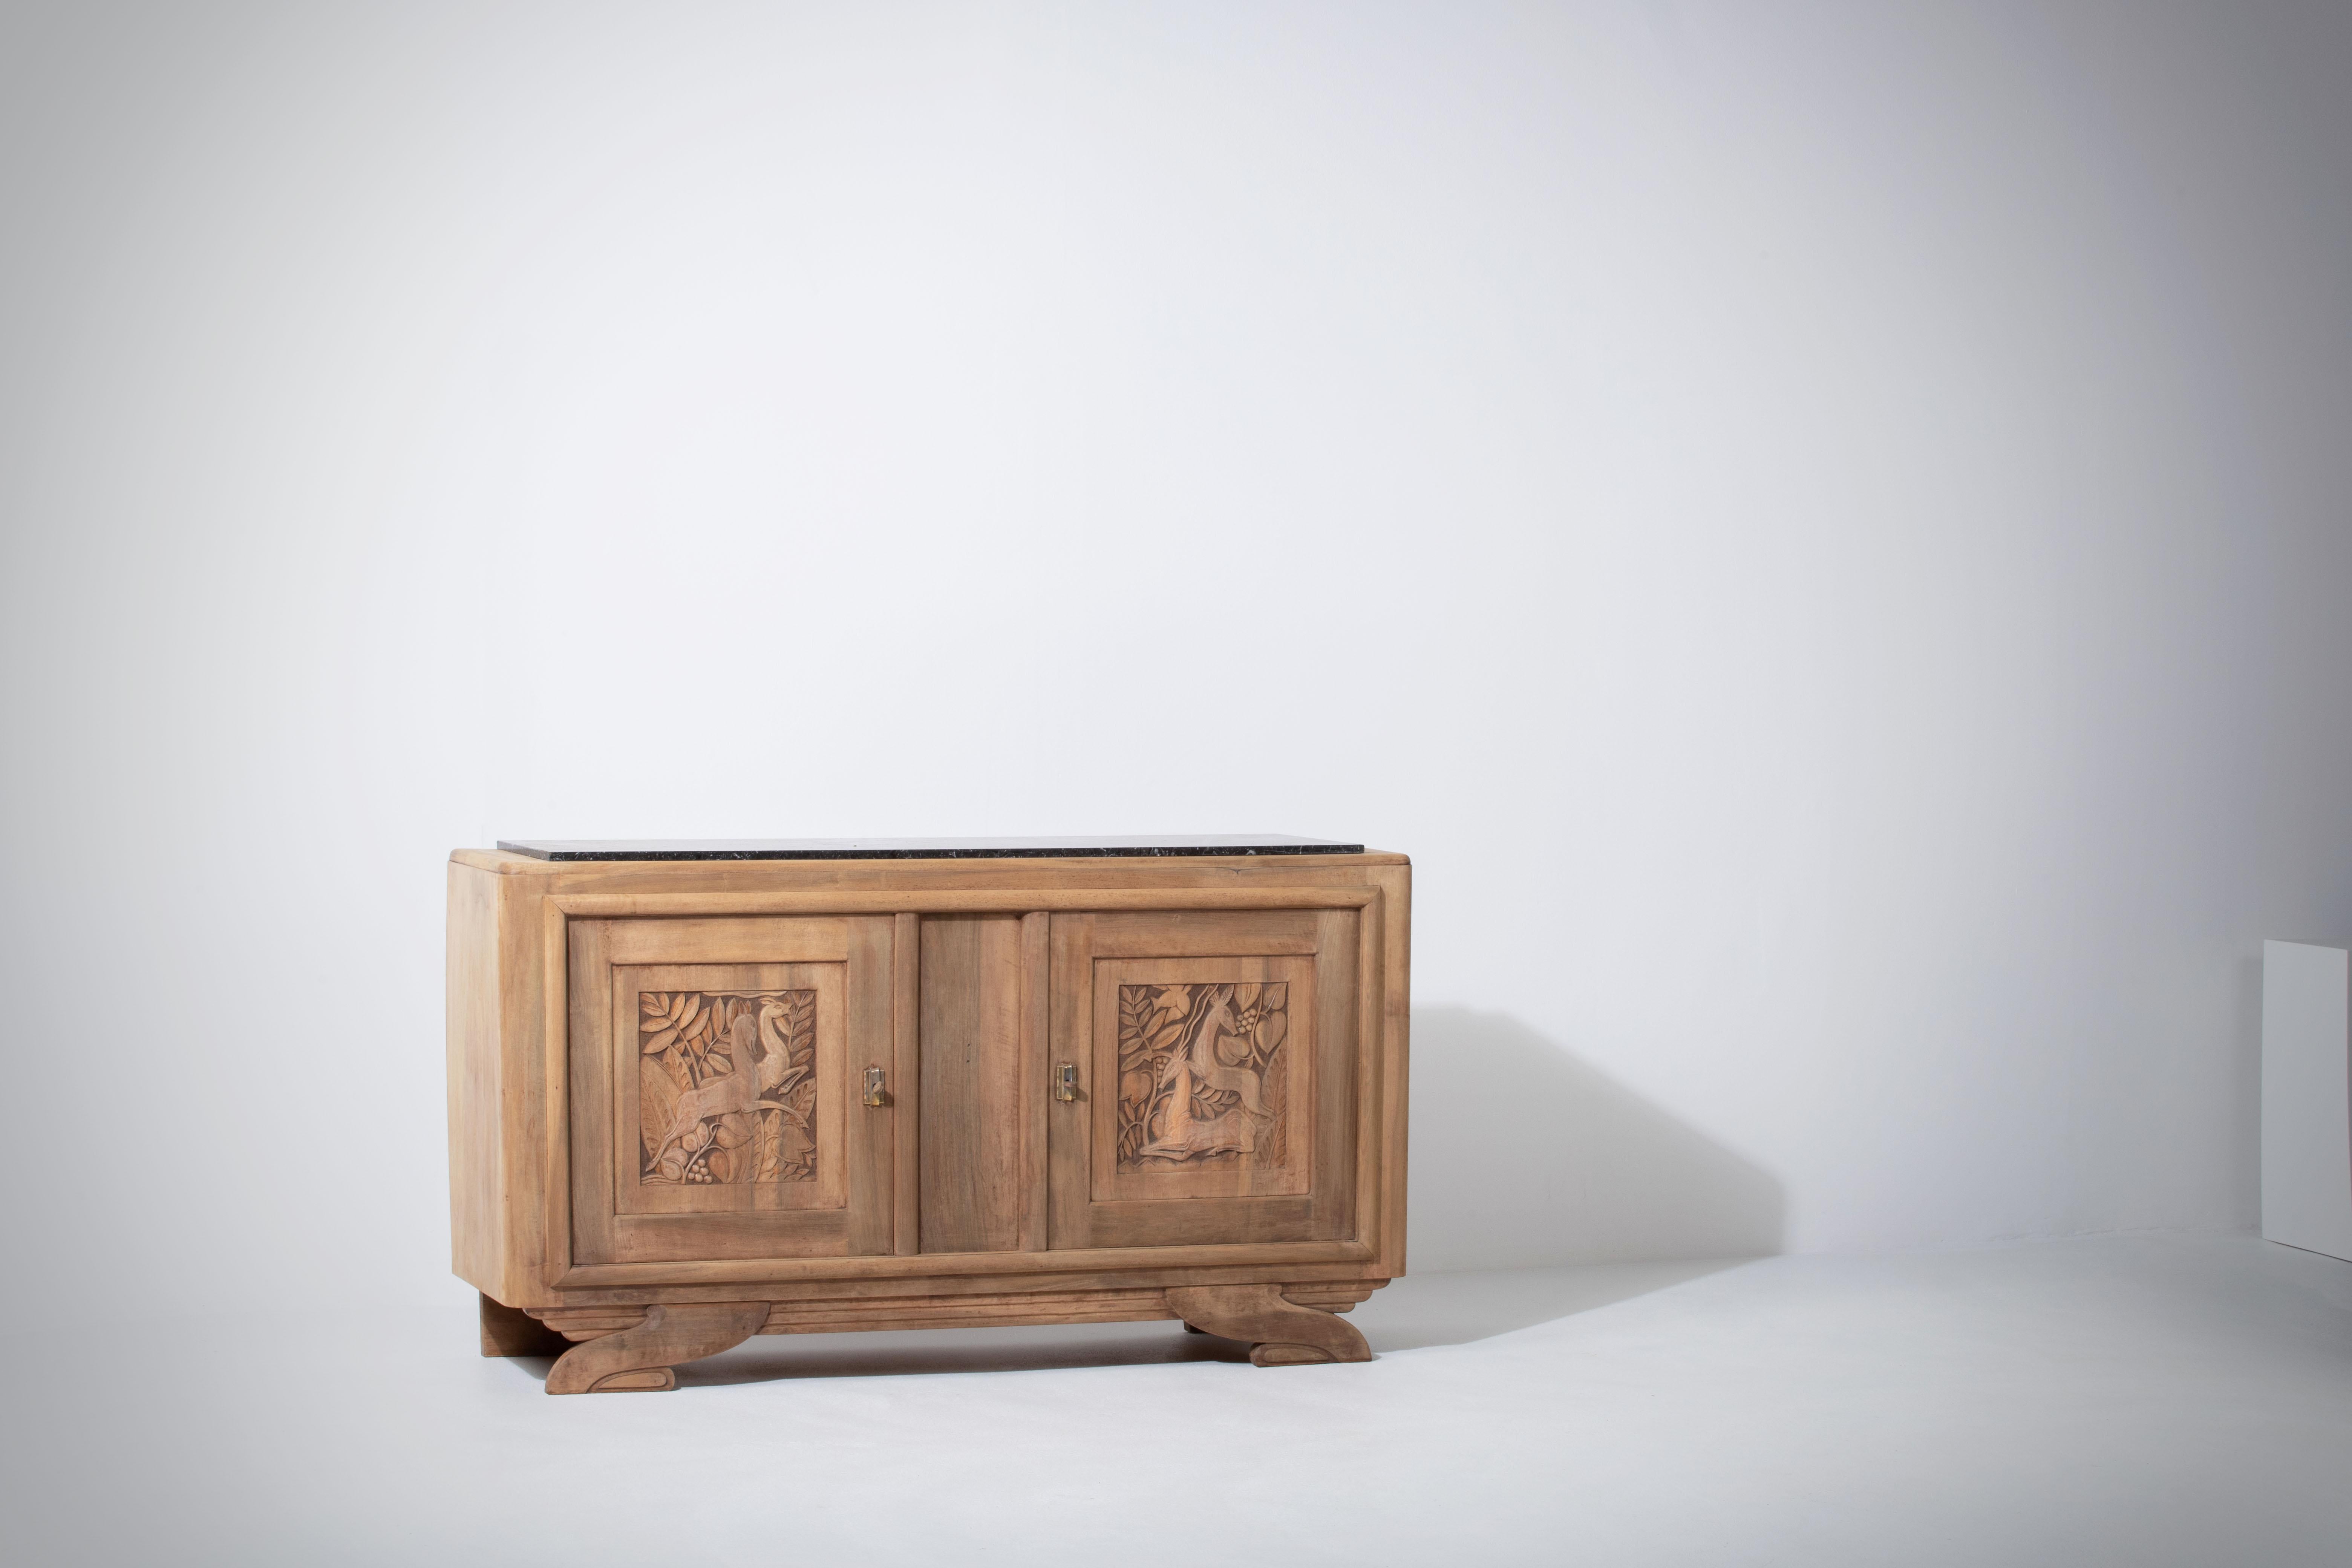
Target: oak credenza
<point x="701" y="1091"/>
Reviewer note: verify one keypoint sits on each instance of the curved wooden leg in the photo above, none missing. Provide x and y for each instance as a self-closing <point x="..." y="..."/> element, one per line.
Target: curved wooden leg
<point x="639" y="1360"/>
<point x="1280" y="1332"/>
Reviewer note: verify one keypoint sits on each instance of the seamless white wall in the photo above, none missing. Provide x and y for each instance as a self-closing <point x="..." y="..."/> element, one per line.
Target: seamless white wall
<point x="1825" y="532"/>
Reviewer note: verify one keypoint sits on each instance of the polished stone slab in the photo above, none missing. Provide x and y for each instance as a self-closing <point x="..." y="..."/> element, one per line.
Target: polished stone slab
<point x="1078" y="845"/>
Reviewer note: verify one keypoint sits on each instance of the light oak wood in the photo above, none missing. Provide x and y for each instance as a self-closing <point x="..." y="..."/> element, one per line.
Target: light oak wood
<point x="950" y="1287"/>
<point x="478" y="1219"/>
<point x="1265" y="999"/>
<point x="509" y="1330"/>
<point x="1036" y="1095"/>
<point x="743" y="940"/>
<point x="906" y="1058"/>
<point x="1057" y="1260"/>
<point x="1109" y="1192"/>
<point x="635" y="1136"/>
<point x="1280" y="1332"/>
<point x="973" y="1162"/>
<point x="958" y="900"/>
<point x="623" y="1211"/>
<point x="564" y="1325"/>
<point x="638" y="1360"/>
<point x="1161" y="932"/>
<point x="1280" y="1131"/>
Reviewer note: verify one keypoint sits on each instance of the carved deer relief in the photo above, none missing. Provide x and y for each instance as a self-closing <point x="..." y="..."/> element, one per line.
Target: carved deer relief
<point x="1195" y="1084"/>
<point x="727" y="1086"/>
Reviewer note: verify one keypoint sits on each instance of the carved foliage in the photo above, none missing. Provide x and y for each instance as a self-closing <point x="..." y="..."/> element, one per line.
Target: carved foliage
<point x="727" y="1086"/>
<point x="1199" y="1082"/>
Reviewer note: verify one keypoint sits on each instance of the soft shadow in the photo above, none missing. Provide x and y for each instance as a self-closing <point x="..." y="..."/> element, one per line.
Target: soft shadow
<point x="1425" y="1310"/>
<point x="1523" y="1159"/>
<point x="930" y="1352"/>
<point x="1522" y="1156"/>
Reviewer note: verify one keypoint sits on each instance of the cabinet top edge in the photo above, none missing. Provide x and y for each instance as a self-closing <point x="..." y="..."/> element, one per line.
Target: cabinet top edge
<point x="1068" y="847"/>
<point x="508" y="861"/>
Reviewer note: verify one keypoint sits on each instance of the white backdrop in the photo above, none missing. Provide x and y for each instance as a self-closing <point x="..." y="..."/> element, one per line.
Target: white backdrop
<point x="1825" y="534"/>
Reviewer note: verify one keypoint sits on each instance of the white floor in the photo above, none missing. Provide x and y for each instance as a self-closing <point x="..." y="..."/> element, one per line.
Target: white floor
<point x="2135" y="1402"/>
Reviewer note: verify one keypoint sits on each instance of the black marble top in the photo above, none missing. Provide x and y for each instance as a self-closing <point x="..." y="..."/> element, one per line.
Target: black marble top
<point x="1074" y="845"/>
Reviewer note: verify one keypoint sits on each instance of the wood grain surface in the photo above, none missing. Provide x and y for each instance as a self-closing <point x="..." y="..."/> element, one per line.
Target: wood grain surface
<point x="654" y="1076"/>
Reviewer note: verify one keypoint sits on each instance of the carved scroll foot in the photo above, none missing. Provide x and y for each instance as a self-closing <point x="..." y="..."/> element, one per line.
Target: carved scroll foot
<point x="639" y="1360"/>
<point x="1281" y="1332"/>
<point x="510" y="1331"/>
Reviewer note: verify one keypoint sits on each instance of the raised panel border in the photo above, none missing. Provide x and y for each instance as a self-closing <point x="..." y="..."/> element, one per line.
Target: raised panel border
<point x="830" y="980"/>
<point x="671" y="1241"/>
<point x="1107" y="1184"/>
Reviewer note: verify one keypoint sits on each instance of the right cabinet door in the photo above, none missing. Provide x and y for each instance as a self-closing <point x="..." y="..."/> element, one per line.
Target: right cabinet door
<point x="1215" y="1062"/>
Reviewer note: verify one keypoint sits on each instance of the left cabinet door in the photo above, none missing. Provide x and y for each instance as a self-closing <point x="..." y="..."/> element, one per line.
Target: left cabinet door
<point x="717" y="1089"/>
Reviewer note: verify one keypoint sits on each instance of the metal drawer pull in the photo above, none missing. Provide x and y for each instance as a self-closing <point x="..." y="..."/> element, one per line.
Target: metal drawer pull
<point x="1066" y="1081"/>
<point x="873" y="1094"/>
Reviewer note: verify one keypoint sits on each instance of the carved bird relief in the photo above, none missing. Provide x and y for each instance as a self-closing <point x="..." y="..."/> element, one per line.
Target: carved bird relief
<point x="760" y="1074"/>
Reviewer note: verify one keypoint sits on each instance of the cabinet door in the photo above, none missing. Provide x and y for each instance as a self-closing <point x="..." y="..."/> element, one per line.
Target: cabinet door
<point x="717" y="1077"/>
<point x="1216" y="1064"/>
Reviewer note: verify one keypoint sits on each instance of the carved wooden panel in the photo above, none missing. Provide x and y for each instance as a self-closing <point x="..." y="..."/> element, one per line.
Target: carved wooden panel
<point x="1204" y="1074"/>
<point x="691" y="1082"/>
<point x="1201" y="1081"/>
<point x="727" y="1086"/>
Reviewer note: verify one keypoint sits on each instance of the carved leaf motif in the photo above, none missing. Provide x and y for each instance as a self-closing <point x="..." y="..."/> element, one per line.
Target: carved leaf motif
<point x="795" y="1153"/>
<point x="703" y="1115"/>
<point x="763" y="1145"/>
<point x="656" y="1102"/>
<point x="1195" y="1081"/>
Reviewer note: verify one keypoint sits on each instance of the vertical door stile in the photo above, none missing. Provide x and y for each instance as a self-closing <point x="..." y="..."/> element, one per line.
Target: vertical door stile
<point x="1070" y="1009"/>
<point x="906" y="1085"/>
<point x="1036" y="991"/>
<point x="973" y="1121"/>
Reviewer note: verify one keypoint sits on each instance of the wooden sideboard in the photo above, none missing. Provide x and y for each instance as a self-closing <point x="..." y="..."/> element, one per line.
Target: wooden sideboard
<point x="699" y="1092"/>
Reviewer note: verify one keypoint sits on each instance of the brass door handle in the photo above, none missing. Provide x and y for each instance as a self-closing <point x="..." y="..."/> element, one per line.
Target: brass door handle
<point x="1066" y="1081"/>
<point x="875" y="1095"/>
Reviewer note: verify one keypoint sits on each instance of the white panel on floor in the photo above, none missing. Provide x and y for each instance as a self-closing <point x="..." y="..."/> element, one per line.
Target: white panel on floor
<point x="2308" y="1096"/>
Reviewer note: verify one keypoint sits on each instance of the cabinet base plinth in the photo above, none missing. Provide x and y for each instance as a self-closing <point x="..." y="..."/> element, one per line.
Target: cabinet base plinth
<point x="623" y="1349"/>
<point x="510" y="1331"/>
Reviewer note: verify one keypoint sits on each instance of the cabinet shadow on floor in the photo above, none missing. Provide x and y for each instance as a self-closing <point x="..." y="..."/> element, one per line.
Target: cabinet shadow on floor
<point x="914" y="1353"/>
<point x="931" y="1352"/>
<point x="1524" y="1157"/>
<point x="1540" y="1187"/>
